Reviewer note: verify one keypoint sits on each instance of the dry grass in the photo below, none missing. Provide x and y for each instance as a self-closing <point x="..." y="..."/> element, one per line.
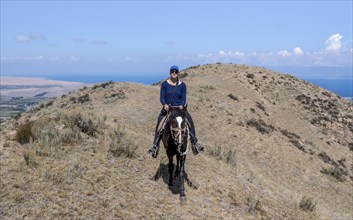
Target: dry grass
<point x="88" y="160"/>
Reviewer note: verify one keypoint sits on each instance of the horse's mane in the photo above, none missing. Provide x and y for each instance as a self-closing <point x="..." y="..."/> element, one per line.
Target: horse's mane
<point x="177" y="112"/>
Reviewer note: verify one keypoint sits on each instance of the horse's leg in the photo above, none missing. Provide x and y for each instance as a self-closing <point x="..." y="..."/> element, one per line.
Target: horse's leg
<point x="177" y="170"/>
<point x="182" y="178"/>
<point x="170" y="170"/>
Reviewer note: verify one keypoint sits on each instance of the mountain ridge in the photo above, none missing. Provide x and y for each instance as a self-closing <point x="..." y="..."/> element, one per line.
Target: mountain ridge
<point x="276" y="148"/>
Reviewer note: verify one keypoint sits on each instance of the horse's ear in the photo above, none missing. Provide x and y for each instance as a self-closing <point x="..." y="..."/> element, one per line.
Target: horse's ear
<point x="185" y="108"/>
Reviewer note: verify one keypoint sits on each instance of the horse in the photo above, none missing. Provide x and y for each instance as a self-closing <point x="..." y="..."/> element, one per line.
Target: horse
<point x="175" y="140"/>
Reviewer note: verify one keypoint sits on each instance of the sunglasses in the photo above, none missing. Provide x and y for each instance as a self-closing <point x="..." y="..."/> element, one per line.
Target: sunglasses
<point x="174" y="71"/>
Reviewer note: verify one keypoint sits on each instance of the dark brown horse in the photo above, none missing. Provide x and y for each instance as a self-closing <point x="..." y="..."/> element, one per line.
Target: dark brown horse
<point x="175" y="140"/>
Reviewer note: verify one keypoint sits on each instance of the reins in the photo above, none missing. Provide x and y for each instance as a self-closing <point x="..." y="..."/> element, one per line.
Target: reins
<point x="179" y="130"/>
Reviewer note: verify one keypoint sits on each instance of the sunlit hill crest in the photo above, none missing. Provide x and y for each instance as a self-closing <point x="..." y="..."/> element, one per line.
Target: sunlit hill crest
<point x="276" y="147"/>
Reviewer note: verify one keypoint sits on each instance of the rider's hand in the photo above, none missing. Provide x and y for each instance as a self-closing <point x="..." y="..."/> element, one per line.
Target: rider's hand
<point x="181" y="107"/>
<point x="166" y="107"/>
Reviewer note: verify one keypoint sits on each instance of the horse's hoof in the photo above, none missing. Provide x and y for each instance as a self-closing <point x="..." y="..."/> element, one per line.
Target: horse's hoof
<point x="182" y="200"/>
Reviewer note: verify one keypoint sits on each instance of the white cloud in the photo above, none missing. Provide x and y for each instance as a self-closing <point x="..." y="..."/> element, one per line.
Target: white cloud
<point x="22" y="39"/>
<point x="29" y="38"/>
<point x="333" y="43"/>
<point x="284" y="53"/>
<point x="222" y="53"/>
<point x="298" y="51"/>
<point x="332" y="54"/>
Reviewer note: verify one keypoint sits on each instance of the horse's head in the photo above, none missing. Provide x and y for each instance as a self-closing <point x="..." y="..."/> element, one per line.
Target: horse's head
<point x="178" y="127"/>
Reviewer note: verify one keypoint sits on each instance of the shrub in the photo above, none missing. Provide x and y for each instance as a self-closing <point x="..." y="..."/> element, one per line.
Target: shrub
<point x="324" y="157"/>
<point x="84" y="123"/>
<point x="233" y="97"/>
<point x="84" y="98"/>
<point x="350" y="145"/>
<point x="49" y="103"/>
<point x="307" y="204"/>
<point x="119" y="95"/>
<point x="24" y="133"/>
<point x="48" y="135"/>
<point x="102" y="85"/>
<point x="335" y="172"/>
<point x="226" y="154"/>
<point x="260" y="125"/>
<point x="260" y="106"/>
<point x="250" y="76"/>
<point x="120" y="144"/>
<point x="81" y="99"/>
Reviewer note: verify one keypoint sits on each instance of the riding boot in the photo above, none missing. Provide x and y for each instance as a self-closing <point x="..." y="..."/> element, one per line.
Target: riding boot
<point x="155" y="146"/>
<point x="196" y="147"/>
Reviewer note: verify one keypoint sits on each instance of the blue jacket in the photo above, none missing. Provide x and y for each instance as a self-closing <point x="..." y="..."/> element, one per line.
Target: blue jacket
<point x="166" y="95"/>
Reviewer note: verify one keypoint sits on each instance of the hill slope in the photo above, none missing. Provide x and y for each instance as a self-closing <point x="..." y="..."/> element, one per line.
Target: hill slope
<point x="276" y="148"/>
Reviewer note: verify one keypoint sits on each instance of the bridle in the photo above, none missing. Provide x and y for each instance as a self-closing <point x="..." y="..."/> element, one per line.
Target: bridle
<point x="179" y="135"/>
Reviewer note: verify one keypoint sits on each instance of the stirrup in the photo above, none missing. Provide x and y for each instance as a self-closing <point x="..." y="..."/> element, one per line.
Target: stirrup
<point x="153" y="151"/>
<point x="197" y="148"/>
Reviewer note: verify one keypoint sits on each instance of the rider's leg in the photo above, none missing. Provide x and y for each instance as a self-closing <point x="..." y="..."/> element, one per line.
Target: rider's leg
<point x="158" y="134"/>
<point x="196" y="147"/>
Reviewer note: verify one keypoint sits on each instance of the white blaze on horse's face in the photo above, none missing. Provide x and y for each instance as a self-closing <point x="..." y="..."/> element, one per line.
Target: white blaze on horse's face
<point x="178" y="128"/>
<point x="179" y="120"/>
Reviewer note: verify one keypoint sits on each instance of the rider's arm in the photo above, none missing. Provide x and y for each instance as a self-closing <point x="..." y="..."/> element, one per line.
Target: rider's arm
<point x="183" y="94"/>
<point x="163" y="94"/>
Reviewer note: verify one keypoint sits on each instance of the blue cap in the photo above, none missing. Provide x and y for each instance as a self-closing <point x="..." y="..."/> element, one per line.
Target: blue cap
<point x="174" y="68"/>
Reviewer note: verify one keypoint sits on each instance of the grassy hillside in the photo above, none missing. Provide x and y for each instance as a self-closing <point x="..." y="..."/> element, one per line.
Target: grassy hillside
<point x="276" y="147"/>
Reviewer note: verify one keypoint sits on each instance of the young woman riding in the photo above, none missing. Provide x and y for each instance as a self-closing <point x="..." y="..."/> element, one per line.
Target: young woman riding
<point x="173" y="93"/>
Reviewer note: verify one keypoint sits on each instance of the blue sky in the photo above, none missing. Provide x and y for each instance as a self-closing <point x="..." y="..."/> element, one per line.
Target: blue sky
<point x="89" y="37"/>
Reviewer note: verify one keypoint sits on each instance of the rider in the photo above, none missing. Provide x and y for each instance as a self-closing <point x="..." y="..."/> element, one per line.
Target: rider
<point x="173" y="93"/>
